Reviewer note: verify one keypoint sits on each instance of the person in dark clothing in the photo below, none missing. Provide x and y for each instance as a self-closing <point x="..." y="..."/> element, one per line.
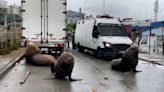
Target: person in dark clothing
<point x="69" y="39"/>
<point x="73" y="40"/>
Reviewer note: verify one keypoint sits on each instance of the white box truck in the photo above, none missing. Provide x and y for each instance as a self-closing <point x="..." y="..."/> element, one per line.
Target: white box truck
<point x="44" y="23"/>
<point x="104" y="35"/>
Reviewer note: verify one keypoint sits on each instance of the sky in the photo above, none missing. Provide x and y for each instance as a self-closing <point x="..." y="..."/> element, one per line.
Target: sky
<point x="18" y="2"/>
<point x="137" y="9"/>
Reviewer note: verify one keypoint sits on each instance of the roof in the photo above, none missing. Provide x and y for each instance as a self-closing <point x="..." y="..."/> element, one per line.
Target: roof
<point x="107" y="20"/>
<point x="157" y="32"/>
<point x="154" y="25"/>
<point x="101" y="20"/>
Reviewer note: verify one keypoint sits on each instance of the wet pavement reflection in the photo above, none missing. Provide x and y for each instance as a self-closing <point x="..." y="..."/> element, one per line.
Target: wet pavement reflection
<point x="94" y="72"/>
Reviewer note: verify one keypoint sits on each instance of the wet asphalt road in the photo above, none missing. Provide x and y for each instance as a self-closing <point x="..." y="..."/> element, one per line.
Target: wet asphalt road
<point x="94" y="72"/>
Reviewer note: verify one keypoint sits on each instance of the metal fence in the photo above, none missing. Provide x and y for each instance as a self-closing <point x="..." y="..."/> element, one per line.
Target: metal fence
<point x="154" y="44"/>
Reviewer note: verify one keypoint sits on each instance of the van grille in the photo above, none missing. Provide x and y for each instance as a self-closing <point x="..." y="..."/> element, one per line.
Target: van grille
<point x="120" y="47"/>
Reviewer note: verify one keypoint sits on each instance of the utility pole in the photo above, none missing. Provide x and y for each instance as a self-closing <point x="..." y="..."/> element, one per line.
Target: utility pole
<point x="163" y="37"/>
<point x="156" y="10"/>
<point x="5" y="22"/>
<point x="104" y="7"/>
<point x="162" y="40"/>
<point x="150" y="38"/>
<point x="14" y="26"/>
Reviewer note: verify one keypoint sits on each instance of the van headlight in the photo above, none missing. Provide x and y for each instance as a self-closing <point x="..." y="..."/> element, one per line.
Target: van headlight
<point x="133" y="45"/>
<point x="108" y="45"/>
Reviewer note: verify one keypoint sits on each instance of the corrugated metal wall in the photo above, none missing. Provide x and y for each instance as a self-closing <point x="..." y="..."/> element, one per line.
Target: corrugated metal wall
<point x="10" y="37"/>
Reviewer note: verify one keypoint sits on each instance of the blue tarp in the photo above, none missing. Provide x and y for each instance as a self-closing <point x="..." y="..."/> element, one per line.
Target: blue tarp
<point x="154" y="25"/>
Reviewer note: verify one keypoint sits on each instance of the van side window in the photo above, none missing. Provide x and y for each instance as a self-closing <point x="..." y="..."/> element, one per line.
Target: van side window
<point x="95" y="32"/>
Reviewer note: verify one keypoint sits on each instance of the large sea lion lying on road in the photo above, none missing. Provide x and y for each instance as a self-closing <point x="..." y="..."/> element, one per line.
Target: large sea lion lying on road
<point x="128" y="62"/>
<point x="33" y="56"/>
<point x="42" y="60"/>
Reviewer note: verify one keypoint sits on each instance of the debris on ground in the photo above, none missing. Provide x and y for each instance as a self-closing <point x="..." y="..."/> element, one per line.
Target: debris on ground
<point x="25" y="77"/>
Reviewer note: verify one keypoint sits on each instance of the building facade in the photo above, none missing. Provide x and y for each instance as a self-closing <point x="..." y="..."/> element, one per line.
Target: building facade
<point x="3" y="4"/>
<point x="14" y="9"/>
<point x="73" y="17"/>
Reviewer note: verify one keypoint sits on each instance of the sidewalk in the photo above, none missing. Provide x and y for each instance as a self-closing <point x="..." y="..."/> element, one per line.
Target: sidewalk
<point x="8" y="60"/>
<point x="153" y="57"/>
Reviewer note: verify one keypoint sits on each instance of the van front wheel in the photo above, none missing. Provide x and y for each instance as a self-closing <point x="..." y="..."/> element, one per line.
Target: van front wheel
<point x="99" y="53"/>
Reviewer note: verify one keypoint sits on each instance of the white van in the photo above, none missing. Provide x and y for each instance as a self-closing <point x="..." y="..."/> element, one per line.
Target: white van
<point x="103" y="35"/>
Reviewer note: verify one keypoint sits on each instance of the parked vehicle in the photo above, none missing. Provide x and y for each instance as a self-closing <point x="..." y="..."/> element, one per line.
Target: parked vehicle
<point x="44" y="23"/>
<point x="104" y="35"/>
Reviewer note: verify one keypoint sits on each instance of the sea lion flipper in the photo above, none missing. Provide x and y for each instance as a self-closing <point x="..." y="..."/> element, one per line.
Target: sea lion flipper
<point x="72" y="79"/>
<point x="136" y="71"/>
<point x="52" y="68"/>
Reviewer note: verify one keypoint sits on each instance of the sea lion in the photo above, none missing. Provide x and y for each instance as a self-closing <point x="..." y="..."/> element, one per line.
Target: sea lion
<point x="33" y="56"/>
<point x="31" y="49"/>
<point x="42" y="60"/>
<point x="64" y="66"/>
<point x="128" y="62"/>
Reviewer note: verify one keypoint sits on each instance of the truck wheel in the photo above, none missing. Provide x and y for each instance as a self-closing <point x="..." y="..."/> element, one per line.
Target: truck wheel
<point x="80" y="49"/>
<point x="99" y="53"/>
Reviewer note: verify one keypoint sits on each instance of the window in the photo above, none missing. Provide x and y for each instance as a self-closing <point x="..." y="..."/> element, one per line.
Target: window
<point x="111" y="30"/>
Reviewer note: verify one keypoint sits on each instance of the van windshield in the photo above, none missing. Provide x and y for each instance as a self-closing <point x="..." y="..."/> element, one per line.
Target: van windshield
<point x="111" y="30"/>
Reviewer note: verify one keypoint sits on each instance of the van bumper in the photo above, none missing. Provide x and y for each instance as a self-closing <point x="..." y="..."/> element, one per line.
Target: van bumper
<point x="111" y="54"/>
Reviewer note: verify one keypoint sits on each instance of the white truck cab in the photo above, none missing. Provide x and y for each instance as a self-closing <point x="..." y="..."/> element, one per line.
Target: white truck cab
<point x="103" y="35"/>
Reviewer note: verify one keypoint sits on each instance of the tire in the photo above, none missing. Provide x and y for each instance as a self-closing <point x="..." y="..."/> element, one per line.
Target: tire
<point x="99" y="53"/>
<point x="80" y="49"/>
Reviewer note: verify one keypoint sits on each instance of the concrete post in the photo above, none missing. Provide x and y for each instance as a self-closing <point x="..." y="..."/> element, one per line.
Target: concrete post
<point x="163" y="47"/>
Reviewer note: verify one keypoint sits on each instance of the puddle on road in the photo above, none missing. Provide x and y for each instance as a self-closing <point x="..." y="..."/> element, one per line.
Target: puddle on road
<point x="149" y="64"/>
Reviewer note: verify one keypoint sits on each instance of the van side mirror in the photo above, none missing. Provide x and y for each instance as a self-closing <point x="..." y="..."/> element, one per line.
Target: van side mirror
<point x="95" y="32"/>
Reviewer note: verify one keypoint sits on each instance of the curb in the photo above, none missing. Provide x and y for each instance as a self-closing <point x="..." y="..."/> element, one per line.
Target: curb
<point x="151" y="61"/>
<point x="6" y="69"/>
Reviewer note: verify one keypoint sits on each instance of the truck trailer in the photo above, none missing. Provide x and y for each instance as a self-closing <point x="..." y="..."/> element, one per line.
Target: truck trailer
<point x="44" y="23"/>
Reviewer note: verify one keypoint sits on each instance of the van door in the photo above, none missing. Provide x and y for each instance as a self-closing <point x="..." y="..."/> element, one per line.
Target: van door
<point x="93" y="38"/>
